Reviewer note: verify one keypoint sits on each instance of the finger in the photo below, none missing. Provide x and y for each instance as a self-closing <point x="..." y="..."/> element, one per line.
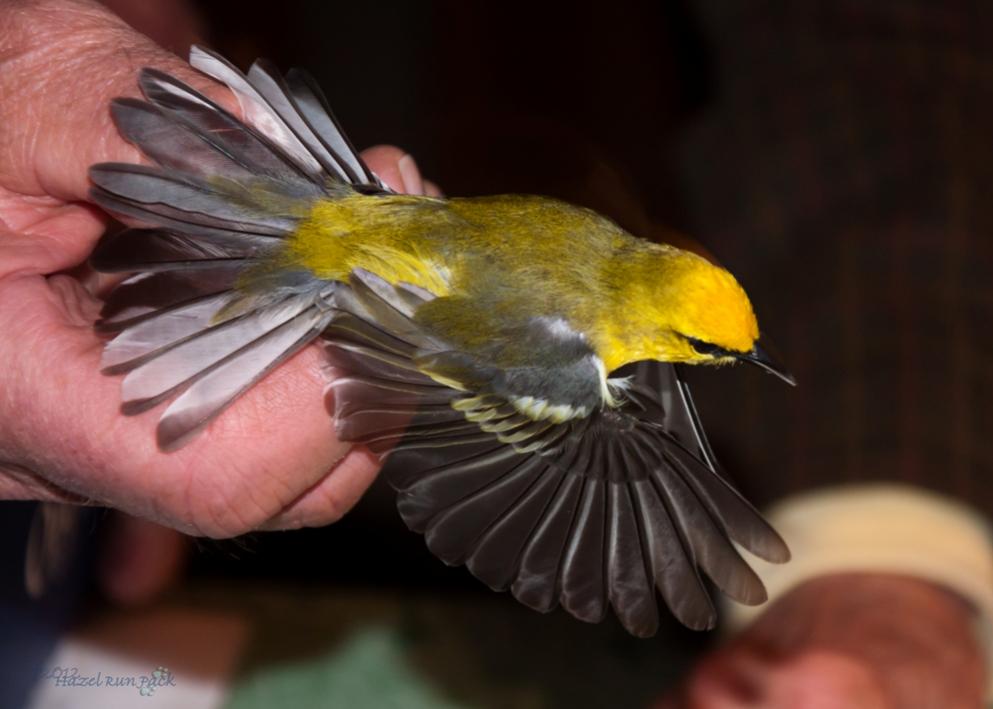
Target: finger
<point x="65" y="61"/>
<point x="432" y="190"/>
<point x="336" y="493"/>
<point x="46" y="238"/>
<point x="260" y="455"/>
<point x="396" y="168"/>
<point x="173" y="24"/>
<point x="18" y="483"/>
<point x="331" y="498"/>
<point x="140" y="560"/>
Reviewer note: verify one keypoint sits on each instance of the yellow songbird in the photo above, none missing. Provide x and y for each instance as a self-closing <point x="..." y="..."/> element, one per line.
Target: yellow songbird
<point x="513" y="355"/>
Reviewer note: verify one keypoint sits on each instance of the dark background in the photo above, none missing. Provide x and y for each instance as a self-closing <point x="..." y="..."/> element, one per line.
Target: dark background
<point x="835" y="156"/>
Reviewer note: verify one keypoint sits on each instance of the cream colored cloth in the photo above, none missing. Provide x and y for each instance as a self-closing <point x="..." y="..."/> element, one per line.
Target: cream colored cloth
<point x="881" y="528"/>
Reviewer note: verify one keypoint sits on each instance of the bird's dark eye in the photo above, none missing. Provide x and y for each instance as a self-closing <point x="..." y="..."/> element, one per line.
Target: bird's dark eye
<point x="706" y="348"/>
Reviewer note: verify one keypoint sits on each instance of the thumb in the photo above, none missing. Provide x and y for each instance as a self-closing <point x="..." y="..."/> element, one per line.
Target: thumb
<point x="61" y="62"/>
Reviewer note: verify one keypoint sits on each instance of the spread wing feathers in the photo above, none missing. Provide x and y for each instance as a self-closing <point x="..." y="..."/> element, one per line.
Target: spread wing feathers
<point x="222" y="196"/>
<point x="160" y="250"/>
<point x="189" y="204"/>
<point x="146" y="295"/>
<point x="183" y="331"/>
<point x="182" y="130"/>
<point x="185" y="352"/>
<point x="605" y="512"/>
<point x="218" y="174"/>
<point x="294" y="113"/>
<point x="312" y="104"/>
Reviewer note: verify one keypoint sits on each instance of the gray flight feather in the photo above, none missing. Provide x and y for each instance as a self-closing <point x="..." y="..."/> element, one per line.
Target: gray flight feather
<point x="257" y="111"/>
<point x="314" y="107"/>
<point x="273" y="89"/>
<point x="222" y="132"/>
<point x="600" y="512"/>
<point x="212" y="392"/>
<point x="150" y="191"/>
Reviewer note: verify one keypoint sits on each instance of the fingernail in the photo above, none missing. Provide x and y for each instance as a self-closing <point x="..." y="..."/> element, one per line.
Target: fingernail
<point x="432" y="190"/>
<point x="410" y="175"/>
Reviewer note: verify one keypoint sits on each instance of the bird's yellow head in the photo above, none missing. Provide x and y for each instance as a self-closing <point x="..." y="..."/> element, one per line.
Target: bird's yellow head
<point x="703" y="315"/>
<point x="677" y="306"/>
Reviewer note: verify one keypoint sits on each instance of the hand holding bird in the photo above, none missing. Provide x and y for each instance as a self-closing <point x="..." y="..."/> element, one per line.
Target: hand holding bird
<point x="274" y="462"/>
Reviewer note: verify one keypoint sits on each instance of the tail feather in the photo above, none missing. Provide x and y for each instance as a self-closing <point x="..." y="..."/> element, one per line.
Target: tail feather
<point x="314" y="106"/>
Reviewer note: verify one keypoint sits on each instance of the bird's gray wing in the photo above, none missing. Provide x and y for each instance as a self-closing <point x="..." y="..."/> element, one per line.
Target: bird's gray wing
<point x="603" y="511"/>
<point x="221" y="197"/>
<point x="293" y="112"/>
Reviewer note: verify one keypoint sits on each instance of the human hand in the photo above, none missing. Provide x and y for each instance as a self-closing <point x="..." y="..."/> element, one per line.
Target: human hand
<point x="271" y="460"/>
<point x="848" y="641"/>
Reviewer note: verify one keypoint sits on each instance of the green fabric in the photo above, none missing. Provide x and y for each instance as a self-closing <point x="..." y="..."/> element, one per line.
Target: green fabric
<point x="370" y="670"/>
<point x="313" y="648"/>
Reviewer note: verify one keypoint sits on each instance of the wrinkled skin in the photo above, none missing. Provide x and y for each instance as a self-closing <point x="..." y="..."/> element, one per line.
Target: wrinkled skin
<point x="272" y="460"/>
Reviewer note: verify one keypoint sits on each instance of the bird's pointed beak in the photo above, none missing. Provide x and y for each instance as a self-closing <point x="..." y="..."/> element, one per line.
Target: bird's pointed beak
<point x="759" y="357"/>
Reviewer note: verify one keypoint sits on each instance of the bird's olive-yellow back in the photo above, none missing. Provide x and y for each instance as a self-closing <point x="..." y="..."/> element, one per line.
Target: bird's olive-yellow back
<point x="521" y="256"/>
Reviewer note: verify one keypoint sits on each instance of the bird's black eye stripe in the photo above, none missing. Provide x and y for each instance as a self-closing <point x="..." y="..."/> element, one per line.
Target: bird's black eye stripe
<point x="706" y="348"/>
